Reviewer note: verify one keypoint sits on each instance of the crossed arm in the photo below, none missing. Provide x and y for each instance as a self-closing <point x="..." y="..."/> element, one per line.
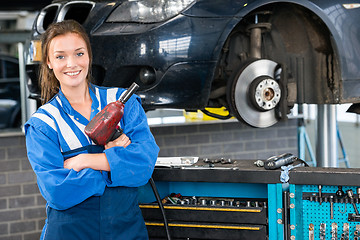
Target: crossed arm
<point x="96" y="161"/>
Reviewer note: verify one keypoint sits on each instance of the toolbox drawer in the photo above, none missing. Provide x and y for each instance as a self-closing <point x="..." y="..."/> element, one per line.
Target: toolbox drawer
<point x="191" y="230"/>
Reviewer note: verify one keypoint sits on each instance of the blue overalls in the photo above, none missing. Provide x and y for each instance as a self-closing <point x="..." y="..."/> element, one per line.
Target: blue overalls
<point x="90" y="204"/>
<point x="114" y="215"/>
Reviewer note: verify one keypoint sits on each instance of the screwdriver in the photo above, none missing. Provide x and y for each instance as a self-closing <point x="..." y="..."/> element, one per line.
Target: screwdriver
<point x="331" y="207"/>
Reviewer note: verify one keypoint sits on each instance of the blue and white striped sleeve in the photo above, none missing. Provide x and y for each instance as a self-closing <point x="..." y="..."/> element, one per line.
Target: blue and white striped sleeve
<point x="62" y="188"/>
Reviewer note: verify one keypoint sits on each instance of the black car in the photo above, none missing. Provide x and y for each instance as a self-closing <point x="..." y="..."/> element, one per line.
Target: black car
<point x="10" y="113"/>
<point x="256" y="58"/>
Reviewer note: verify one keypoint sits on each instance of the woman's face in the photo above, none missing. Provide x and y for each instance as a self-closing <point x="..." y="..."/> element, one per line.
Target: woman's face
<point x="69" y="59"/>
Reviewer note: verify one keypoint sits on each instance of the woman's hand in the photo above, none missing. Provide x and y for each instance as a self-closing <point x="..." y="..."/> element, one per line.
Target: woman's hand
<point x="77" y="163"/>
<point x="122" y="141"/>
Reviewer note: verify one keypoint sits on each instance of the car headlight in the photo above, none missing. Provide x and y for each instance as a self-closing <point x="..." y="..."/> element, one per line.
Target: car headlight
<point x="148" y="11"/>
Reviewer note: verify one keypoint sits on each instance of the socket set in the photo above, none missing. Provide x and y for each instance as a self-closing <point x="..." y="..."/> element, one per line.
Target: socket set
<point x="208" y="217"/>
<point x="213" y="201"/>
<point x="330" y="212"/>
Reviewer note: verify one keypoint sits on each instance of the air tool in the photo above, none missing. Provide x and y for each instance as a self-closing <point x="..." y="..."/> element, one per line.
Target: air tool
<point x="104" y="126"/>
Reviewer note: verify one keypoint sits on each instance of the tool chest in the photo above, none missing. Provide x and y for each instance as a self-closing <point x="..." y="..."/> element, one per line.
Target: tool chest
<point x="220" y="203"/>
<point x="249" y="202"/>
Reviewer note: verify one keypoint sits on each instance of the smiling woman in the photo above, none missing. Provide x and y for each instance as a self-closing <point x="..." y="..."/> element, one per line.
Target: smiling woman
<point x="69" y="60"/>
<point x="76" y="176"/>
<point x="66" y="61"/>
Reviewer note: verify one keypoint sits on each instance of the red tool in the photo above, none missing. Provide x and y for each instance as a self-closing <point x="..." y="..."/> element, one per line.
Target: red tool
<point x="104" y="126"/>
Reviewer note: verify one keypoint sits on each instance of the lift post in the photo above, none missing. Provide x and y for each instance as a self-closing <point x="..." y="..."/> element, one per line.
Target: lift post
<point x="326" y="147"/>
<point x="305" y="143"/>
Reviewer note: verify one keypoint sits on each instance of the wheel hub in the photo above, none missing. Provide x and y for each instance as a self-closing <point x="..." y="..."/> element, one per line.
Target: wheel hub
<point x="267" y="94"/>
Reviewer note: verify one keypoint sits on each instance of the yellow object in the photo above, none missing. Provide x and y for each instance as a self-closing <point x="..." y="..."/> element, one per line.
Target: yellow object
<point x="191" y="225"/>
<point x="36" y="50"/>
<point x="200" y="116"/>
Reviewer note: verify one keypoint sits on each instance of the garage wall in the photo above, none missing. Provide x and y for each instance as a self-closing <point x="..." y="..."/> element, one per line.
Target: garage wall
<point x="227" y="139"/>
<point x="21" y="205"/>
<point x="22" y="209"/>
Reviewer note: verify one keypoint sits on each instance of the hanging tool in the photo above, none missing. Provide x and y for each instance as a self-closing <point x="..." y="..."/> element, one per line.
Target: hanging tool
<point x="351" y="196"/>
<point x="311" y="232"/>
<point x="346" y="231"/>
<point x="357" y="231"/>
<point x="342" y="212"/>
<point x="340" y="193"/>
<point x="334" y="230"/>
<point x="331" y="207"/>
<point x="104" y="126"/>
<point x="320" y="194"/>
<point x="322" y="231"/>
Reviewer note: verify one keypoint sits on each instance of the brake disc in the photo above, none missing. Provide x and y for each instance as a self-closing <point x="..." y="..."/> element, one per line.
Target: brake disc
<point x="257" y="93"/>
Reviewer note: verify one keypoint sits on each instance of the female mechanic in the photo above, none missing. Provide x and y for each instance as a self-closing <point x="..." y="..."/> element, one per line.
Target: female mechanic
<point x="91" y="190"/>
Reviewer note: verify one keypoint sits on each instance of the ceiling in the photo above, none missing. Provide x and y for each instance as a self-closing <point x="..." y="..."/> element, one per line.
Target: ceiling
<point x="26" y="5"/>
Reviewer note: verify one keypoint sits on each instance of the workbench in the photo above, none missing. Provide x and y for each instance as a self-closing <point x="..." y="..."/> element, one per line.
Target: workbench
<point x="239" y="200"/>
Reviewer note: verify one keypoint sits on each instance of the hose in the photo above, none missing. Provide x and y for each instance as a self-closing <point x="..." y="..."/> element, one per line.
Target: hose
<point x="214" y="115"/>
<point x="158" y="199"/>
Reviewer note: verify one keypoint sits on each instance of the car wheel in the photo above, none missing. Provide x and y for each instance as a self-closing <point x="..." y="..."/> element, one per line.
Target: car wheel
<point x="254" y="92"/>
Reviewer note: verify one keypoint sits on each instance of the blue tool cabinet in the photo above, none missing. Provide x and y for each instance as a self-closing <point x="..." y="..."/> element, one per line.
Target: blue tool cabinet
<point x="249" y="202"/>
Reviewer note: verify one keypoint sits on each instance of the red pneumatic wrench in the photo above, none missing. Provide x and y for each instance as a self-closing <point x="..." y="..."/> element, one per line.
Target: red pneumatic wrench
<point x="104" y="126"/>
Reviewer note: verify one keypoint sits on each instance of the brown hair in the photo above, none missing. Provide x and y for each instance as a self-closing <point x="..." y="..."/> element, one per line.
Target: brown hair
<point x="48" y="82"/>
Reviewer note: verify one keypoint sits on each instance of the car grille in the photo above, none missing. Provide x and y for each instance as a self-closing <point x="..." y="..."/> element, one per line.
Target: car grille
<point x="57" y="12"/>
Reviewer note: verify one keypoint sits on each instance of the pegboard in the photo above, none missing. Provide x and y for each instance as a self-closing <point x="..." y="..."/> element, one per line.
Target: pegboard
<point x="315" y="213"/>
